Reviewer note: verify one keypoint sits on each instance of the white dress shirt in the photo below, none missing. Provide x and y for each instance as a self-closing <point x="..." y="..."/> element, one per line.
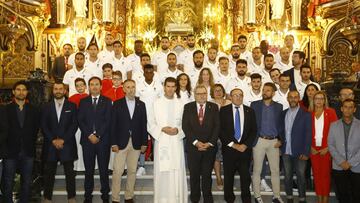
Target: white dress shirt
<point x="59" y="103"/>
<point x="319" y="128"/>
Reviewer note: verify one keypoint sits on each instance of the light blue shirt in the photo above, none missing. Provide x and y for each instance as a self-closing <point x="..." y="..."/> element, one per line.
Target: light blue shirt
<point x="131" y="106"/>
<point x="289" y="121"/>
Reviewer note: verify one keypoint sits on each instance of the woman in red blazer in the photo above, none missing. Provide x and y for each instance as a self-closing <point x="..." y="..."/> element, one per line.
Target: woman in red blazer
<point x="322" y="117"/>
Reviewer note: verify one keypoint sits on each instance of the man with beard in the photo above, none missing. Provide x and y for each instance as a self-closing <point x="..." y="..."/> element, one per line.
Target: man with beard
<point x="289" y="41"/>
<point x="19" y="152"/>
<point x="185" y="57"/>
<point x="134" y="58"/>
<point x="108" y="50"/>
<point x="284" y="63"/>
<point x="77" y="72"/>
<point x="298" y="59"/>
<point x="235" y="56"/>
<point x="198" y="61"/>
<point x="61" y="63"/>
<point x="244" y="53"/>
<point x="59" y="125"/>
<point x="267" y="142"/>
<point x="241" y="81"/>
<point x="171" y="71"/>
<point x="81" y="45"/>
<point x="255" y="64"/>
<point x="268" y="65"/>
<point x="281" y="94"/>
<point x="159" y="58"/>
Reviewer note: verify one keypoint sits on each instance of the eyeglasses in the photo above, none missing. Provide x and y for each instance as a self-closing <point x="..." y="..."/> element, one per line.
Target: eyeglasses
<point x="201" y="94"/>
<point x="237" y="95"/>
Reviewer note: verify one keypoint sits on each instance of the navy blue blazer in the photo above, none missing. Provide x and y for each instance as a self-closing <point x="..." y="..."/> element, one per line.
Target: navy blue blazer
<point x="257" y="106"/>
<point x="87" y="118"/>
<point x="64" y="129"/>
<point x="122" y="124"/>
<point x="301" y="133"/>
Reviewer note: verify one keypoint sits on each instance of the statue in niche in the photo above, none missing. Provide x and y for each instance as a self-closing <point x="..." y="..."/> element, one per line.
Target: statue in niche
<point x="80" y="8"/>
<point x="178" y="11"/>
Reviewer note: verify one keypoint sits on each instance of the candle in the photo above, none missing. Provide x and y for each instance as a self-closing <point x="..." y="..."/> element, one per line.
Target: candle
<point x="106" y="10"/>
<point x="296" y="13"/>
<point x="61" y="11"/>
<point x="251" y="11"/>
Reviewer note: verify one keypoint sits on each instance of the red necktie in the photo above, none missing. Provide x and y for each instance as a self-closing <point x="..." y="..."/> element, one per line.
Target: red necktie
<point x="201" y="114"/>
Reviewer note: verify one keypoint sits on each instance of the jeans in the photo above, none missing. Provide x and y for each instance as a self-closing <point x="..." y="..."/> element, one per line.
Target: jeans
<point x="10" y="166"/>
<point x="292" y="164"/>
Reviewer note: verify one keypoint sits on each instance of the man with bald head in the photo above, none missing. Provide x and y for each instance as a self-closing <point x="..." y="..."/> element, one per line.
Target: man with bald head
<point x="284" y="63"/>
<point x="81" y="46"/>
<point x="346" y="93"/>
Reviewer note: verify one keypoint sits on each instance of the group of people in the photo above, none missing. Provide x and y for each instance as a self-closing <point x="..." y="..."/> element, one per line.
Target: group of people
<point x="239" y="110"/>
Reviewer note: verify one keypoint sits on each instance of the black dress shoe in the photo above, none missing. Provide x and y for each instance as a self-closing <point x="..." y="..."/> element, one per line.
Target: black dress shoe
<point x="124" y="173"/>
<point x="115" y="202"/>
<point x="87" y="201"/>
<point x="106" y="201"/>
<point x="129" y="201"/>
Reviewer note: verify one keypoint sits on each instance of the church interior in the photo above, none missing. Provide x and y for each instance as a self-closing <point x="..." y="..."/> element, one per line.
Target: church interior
<point x="33" y="32"/>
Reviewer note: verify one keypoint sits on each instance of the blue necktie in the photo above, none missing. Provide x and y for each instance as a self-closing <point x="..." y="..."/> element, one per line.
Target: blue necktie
<point x="237" y="124"/>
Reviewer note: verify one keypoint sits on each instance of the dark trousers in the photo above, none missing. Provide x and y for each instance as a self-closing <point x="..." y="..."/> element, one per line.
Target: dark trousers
<point x="200" y="167"/>
<point x="10" y="166"/>
<point x="348" y="186"/>
<point x="235" y="161"/>
<point x="100" y="152"/>
<point x="49" y="178"/>
<point x="292" y="164"/>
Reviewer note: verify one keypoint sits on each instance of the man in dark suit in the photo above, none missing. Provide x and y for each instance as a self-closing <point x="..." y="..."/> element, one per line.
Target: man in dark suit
<point x="23" y="126"/>
<point x="298" y="59"/>
<point x="267" y="142"/>
<point x="94" y="117"/>
<point x="237" y="134"/>
<point x="201" y="126"/>
<point x="296" y="145"/>
<point x="59" y="125"/>
<point x="61" y="63"/>
<point x="128" y="139"/>
<point x="3" y="134"/>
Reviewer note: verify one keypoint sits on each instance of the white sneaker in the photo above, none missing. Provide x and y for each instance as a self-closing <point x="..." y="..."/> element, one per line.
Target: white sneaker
<point x="264" y="186"/>
<point x="141" y="171"/>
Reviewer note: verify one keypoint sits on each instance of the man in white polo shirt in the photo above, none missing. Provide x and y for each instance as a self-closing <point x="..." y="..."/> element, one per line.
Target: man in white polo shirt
<point x="134" y="58"/>
<point x="172" y="70"/>
<point x="93" y="62"/>
<point x="198" y="61"/>
<point x="138" y="76"/>
<point x="186" y="56"/>
<point x="210" y="59"/>
<point x="255" y="64"/>
<point x="81" y="45"/>
<point x="108" y="50"/>
<point x="119" y="62"/>
<point x="283" y="90"/>
<point x="78" y="72"/>
<point x="305" y="73"/>
<point x="268" y="66"/>
<point x="254" y="93"/>
<point x="222" y="75"/>
<point x="159" y="57"/>
<point x="284" y="63"/>
<point x="241" y="81"/>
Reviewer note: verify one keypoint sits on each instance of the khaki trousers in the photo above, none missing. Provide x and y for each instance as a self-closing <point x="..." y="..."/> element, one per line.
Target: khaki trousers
<point x="266" y="147"/>
<point x="130" y="156"/>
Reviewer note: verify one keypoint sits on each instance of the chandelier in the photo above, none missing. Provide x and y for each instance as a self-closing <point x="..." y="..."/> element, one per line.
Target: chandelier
<point x="351" y="29"/>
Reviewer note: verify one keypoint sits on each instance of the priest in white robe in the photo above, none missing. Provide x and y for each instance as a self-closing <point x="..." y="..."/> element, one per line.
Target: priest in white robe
<point x="164" y="124"/>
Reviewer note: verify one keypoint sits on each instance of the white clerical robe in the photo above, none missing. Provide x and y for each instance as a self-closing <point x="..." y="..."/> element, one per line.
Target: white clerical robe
<point x="169" y="162"/>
